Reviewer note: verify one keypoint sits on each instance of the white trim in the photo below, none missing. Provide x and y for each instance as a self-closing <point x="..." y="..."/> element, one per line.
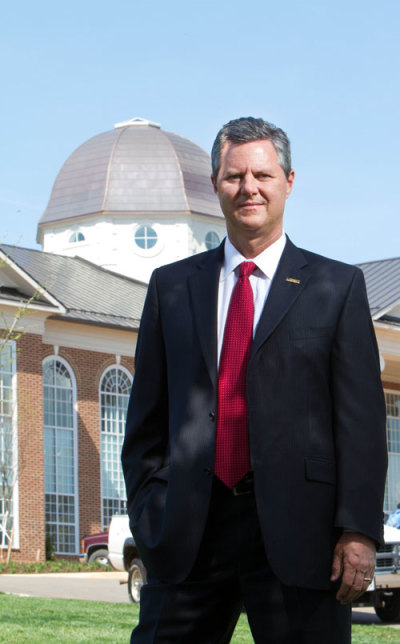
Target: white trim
<point x="386" y="325"/>
<point x="388" y="340"/>
<point x="33" y="283"/>
<point x="32" y="322"/>
<point x="31" y="307"/>
<point x="71" y="373"/>
<point x="89" y="337"/>
<point x="116" y="366"/>
<point x="137" y="120"/>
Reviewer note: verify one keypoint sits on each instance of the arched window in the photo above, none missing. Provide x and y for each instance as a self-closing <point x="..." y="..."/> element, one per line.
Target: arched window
<point x="392" y="493"/>
<point x="212" y="240"/>
<point x="145" y="237"/>
<point x="76" y="237"/>
<point x="60" y="476"/>
<point x="8" y="445"/>
<point x="114" y="396"/>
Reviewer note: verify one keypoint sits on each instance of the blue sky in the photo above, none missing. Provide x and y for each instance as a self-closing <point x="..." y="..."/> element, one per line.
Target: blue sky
<point x="325" y="71"/>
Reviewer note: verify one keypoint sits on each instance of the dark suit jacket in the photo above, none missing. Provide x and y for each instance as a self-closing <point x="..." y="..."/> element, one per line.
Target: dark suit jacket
<point x="316" y="415"/>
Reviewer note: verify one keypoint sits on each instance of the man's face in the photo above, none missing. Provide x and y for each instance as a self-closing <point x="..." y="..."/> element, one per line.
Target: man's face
<point x="252" y="190"/>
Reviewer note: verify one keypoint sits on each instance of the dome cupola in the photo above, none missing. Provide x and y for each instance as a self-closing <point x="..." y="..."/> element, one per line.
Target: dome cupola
<point x="132" y="193"/>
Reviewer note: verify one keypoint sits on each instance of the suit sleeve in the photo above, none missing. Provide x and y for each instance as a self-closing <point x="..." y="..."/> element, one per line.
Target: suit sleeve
<point x="146" y="433"/>
<point x="359" y="417"/>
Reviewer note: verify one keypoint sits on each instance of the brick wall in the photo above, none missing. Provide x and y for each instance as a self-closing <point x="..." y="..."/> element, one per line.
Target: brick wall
<point x="30" y="449"/>
<point x="88" y="368"/>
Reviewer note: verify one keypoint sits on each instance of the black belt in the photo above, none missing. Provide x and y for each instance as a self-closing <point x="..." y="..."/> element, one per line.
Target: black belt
<point x="245" y="485"/>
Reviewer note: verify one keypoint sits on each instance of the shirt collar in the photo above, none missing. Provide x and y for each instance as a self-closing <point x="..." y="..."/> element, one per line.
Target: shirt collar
<point x="267" y="261"/>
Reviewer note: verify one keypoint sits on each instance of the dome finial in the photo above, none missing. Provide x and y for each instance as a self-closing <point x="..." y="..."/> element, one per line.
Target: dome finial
<point x="137" y="120"/>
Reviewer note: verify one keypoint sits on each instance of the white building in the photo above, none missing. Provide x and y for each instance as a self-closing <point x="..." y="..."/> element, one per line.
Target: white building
<point x="132" y="199"/>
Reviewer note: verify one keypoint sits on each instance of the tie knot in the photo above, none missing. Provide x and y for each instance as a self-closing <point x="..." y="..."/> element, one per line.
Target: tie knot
<point x="247" y="268"/>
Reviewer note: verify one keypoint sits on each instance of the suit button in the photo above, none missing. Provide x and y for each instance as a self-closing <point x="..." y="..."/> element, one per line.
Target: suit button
<point x="212" y="415"/>
<point x="208" y="470"/>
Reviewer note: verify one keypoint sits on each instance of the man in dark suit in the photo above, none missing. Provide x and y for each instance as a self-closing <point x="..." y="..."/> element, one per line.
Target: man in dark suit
<point x="255" y="452"/>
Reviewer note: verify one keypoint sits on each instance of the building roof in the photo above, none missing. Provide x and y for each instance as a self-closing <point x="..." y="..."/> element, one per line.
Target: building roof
<point x="382" y="278"/>
<point x="135" y="168"/>
<point x="84" y="291"/>
<point x="88" y="293"/>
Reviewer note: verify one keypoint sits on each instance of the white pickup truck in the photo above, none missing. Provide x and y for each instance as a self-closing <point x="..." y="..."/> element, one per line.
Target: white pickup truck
<point x="383" y="593"/>
<point x="123" y="554"/>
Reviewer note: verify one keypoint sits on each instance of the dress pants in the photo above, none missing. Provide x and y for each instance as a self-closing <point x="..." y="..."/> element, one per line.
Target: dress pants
<point x="231" y="572"/>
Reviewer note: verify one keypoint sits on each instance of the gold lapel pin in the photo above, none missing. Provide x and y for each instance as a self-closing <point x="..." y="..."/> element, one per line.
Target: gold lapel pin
<point x="292" y="279"/>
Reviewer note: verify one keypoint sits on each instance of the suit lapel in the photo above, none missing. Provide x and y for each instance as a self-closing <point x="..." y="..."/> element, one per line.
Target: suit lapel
<point x="203" y="286"/>
<point x="290" y="278"/>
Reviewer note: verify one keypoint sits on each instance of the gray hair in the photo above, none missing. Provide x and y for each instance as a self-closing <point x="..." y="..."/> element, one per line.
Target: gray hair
<point x="247" y="129"/>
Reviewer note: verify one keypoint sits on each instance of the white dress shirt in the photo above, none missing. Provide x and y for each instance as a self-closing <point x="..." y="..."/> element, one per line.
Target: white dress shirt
<point x="267" y="263"/>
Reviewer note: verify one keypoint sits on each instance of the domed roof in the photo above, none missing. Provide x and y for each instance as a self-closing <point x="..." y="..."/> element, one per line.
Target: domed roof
<point x="138" y="168"/>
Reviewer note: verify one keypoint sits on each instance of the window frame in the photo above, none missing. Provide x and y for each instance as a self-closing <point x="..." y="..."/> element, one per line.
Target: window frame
<point x="155" y="237"/>
<point x="388" y="494"/>
<point x="76" y="234"/>
<point x="74" y="430"/>
<point x="15" y="455"/>
<point x="121" y="502"/>
<point x="211" y="232"/>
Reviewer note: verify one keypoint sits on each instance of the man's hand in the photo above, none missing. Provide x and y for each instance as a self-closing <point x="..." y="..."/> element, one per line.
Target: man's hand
<point x="355" y="557"/>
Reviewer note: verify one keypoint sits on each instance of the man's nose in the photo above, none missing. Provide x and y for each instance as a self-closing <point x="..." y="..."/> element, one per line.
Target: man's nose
<point x="249" y="184"/>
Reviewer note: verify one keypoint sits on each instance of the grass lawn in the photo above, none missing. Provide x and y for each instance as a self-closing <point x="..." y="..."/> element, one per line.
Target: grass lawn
<point x="56" y="565"/>
<point x="51" y="621"/>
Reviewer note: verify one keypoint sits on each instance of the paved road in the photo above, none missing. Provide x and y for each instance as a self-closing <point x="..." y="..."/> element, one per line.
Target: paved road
<point x="368" y="616"/>
<point x="99" y="586"/>
<point x="104" y="586"/>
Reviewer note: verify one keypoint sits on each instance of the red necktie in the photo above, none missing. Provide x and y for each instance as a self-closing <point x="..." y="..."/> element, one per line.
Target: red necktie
<point x="232" y="459"/>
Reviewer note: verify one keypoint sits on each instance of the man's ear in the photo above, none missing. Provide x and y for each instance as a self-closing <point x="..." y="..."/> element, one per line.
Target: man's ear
<point x="290" y="181"/>
<point x="213" y="181"/>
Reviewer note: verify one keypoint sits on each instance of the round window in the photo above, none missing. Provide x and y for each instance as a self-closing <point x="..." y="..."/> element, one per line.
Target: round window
<point x="145" y="237"/>
<point x="212" y="240"/>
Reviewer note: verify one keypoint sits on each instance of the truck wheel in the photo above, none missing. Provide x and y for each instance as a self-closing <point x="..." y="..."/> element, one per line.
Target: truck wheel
<point x="100" y="555"/>
<point x="136" y="579"/>
<point x="390" y="612"/>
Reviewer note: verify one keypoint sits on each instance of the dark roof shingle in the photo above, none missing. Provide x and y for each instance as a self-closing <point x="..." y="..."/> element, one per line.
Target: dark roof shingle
<point x="95" y="295"/>
<point x="382" y="278"/>
<point x="88" y="292"/>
